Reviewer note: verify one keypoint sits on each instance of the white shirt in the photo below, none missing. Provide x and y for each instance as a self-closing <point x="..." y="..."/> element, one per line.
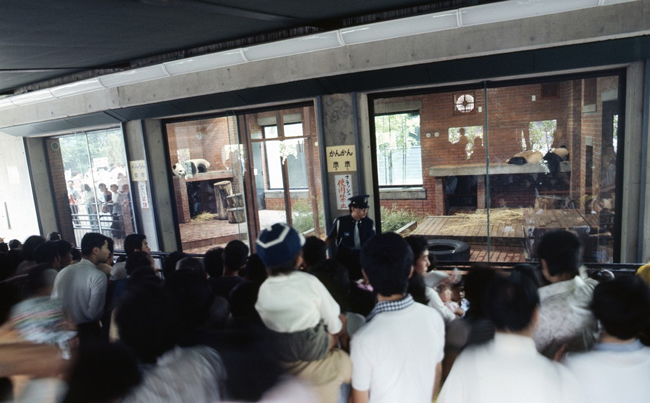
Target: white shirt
<point x="508" y="369"/>
<point x="395" y="354"/>
<point x="297" y="301"/>
<point x="613" y="372"/>
<point x="565" y="317"/>
<point x="81" y="287"/>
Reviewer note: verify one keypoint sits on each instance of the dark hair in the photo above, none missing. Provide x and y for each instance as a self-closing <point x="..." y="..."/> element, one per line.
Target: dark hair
<point x="47" y="252"/>
<point x="387" y="261"/>
<point x="283" y="268"/>
<point x="111" y="244"/>
<point x="255" y="270"/>
<point x="561" y="251"/>
<point x="190" y="263"/>
<point x="87" y="188"/>
<point x="54" y="236"/>
<point x="234" y="255"/>
<point x="314" y="251"/>
<point x="30" y="246"/>
<point x="476" y="282"/>
<point x="64" y="247"/>
<point x="418" y="288"/>
<point x="418" y="245"/>
<point x="511" y="300"/>
<point x="169" y="265"/>
<point x="147" y="320"/>
<point x="193" y="296"/>
<point x="4" y="248"/>
<point x="213" y="262"/>
<point x="335" y="278"/>
<point x="102" y="372"/>
<point x="133" y="242"/>
<point x="90" y="241"/>
<point x="15" y="244"/>
<point x="39" y="277"/>
<point x="137" y="260"/>
<point x="242" y="301"/>
<point x="622" y="306"/>
<point x="76" y="255"/>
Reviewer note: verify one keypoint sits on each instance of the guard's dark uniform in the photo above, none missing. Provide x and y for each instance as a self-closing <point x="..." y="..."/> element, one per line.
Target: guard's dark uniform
<point x="343" y="231"/>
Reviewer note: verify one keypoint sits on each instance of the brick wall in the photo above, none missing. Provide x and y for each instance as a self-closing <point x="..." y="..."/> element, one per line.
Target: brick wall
<point x="510" y="110"/>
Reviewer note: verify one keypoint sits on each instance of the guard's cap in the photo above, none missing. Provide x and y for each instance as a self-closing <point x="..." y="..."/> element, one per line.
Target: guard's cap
<point x="360" y="201"/>
<point x="279" y="244"/>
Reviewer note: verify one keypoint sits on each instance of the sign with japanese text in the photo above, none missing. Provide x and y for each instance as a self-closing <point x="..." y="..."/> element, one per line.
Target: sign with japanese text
<point x="142" y="194"/>
<point x="341" y="158"/>
<point x="138" y="170"/>
<point x="343" y="191"/>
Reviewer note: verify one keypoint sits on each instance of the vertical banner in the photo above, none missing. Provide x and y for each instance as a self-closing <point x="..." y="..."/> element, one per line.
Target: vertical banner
<point x="144" y="197"/>
<point x="343" y="191"/>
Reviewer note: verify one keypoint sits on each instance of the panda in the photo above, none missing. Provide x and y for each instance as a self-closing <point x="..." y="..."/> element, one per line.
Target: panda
<point x="198" y="165"/>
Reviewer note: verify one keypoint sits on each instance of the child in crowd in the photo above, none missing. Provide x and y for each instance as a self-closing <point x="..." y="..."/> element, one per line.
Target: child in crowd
<point x="445" y="292"/>
<point x="294" y="304"/>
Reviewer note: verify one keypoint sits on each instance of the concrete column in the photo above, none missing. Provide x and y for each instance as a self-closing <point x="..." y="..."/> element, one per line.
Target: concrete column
<point x="341" y="118"/>
<point x="145" y="141"/>
<point x="44" y="195"/>
<point x="632" y="222"/>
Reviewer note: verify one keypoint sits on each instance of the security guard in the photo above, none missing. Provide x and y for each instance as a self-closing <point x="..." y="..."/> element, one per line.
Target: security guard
<point x="350" y="232"/>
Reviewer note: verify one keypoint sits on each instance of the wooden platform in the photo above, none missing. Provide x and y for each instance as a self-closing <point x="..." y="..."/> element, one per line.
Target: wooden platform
<point x="475" y="228"/>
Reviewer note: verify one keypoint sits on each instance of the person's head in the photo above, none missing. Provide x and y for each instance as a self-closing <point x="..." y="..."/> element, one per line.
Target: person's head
<point x="313" y="251"/>
<point x="458" y="291"/>
<point x="137" y="260"/>
<point x="48" y="253"/>
<point x="190" y="264"/>
<point x="4" y="248"/>
<point x="54" y="236"/>
<point x="94" y="247"/>
<point x="30" y="246"/>
<point x="114" y="188"/>
<point x="65" y="253"/>
<point x="444" y="290"/>
<point x="135" y="243"/>
<point x="70" y="184"/>
<point x="511" y="301"/>
<point x="75" y="254"/>
<point x="213" y="262"/>
<point x="476" y="283"/>
<point x="387" y="261"/>
<point x="234" y="256"/>
<point x="358" y="207"/>
<point x="147" y="320"/>
<point x="40" y="280"/>
<point x="420" y="249"/>
<point x="279" y="246"/>
<point x="169" y="265"/>
<point x="87" y="188"/>
<point x="193" y="295"/>
<point x="15" y="244"/>
<point x="111" y="248"/>
<point x="559" y="255"/>
<point x="622" y="306"/>
<point x="255" y="270"/>
<point x="102" y="372"/>
<point x="335" y="278"/>
<point x="102" y="187"/>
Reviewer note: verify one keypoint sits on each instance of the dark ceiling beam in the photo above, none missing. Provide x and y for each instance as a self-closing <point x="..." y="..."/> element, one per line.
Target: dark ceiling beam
<point x="206" y="6"/>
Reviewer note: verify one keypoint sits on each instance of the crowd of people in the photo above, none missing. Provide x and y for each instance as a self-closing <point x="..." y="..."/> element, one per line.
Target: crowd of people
<point x="287" y="324"/>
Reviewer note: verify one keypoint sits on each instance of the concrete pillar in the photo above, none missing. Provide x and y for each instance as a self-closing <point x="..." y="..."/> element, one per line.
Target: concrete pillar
<point x="44" y="195"/>
<point x="341" y="116"/>
<point x="145" y="141"/>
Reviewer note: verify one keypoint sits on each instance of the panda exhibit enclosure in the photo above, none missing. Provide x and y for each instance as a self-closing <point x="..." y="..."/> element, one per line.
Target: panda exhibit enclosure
<point x="505" y="163"/>
<point x="233" y="175"/>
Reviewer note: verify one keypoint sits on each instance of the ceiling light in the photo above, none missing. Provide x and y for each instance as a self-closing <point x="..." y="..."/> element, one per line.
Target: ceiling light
<point x="514" y="10"/>
<point x="205" y="62"/>
<point x="294" y="46"/>
<point x="79" y="87"/>
<point x="401" y="27"/>
<point x="134" y="76"/>
<point x="32" y="97"/>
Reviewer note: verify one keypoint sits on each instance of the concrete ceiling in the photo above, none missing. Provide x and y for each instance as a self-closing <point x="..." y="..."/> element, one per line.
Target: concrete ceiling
<point x="45" y="40"/>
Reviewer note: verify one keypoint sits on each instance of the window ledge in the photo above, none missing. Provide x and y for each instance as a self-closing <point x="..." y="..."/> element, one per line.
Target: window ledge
<point x="405" y="193"/>
<point x="279" y="194"/>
